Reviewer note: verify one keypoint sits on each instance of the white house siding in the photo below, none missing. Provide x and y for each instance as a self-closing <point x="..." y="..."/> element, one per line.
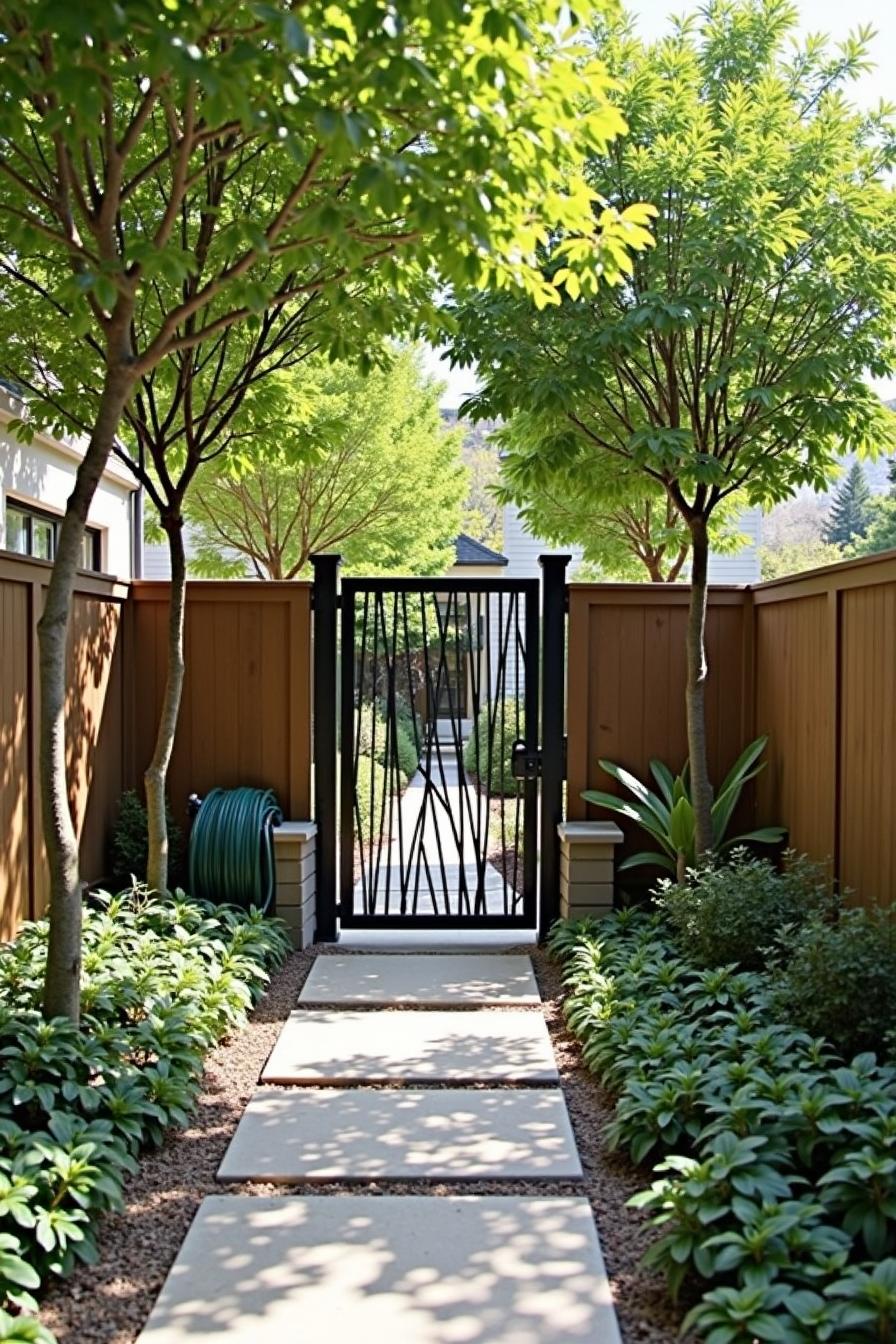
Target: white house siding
<point x="42" y="474"/>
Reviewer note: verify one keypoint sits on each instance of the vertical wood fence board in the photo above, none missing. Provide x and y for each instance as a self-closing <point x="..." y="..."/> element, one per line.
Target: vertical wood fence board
<point x="868" y="743"/>
<point x="245" y="715"/>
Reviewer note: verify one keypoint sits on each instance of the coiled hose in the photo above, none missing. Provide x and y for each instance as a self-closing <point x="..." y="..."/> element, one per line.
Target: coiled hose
<point x="232" y="850"/>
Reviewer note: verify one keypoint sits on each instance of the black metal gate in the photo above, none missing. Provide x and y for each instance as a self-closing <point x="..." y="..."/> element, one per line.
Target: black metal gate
<point x="438" y="753"/>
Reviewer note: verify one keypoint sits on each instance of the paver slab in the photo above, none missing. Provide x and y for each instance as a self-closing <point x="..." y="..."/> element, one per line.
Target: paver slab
<point x="388" y="1270"/>
<point x="317" y="1046"/>
<point x="430" y="981"/>
<point x="376" y="1134"/>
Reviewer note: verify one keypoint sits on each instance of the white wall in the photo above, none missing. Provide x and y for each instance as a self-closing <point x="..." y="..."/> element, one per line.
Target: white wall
<point x="42" y="474"/>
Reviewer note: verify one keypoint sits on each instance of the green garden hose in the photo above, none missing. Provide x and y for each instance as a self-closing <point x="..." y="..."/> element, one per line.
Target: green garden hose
<point x="232" y="850"/>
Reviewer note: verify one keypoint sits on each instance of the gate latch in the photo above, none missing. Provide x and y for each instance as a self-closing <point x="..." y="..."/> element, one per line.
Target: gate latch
<point x="525" y="764"/>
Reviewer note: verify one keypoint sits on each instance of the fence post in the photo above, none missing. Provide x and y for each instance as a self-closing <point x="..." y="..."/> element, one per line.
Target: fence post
<point x="553" y="715"/>
<point x="323" y="717"/>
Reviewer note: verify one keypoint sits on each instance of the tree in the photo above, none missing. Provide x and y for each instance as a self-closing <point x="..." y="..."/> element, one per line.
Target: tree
<point x="881" y="533"/>
<point x="425" y="141"/>
<point x="357" y="464"/>
<point x="796" y="557"/>
<point x="733" y="360"/>
<point x="850" y="513"/>
<point x="482" y="517"/>
<point x="636" y="533"/>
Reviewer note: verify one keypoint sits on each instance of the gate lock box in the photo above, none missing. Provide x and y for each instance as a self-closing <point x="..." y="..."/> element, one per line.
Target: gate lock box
<point x="525" y="764"/>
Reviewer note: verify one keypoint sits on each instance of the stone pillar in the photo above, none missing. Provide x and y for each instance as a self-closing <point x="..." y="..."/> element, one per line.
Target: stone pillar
<point x="586" y="867"/>
<point x="294" y="856"/>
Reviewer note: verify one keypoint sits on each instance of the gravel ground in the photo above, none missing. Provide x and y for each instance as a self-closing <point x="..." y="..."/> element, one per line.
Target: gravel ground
<point x="107" y="1303"/>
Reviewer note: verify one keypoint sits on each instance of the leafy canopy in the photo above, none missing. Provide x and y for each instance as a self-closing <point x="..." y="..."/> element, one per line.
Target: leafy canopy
<point x="340" y="462"/>
<point x="733" y="358"/>
<point x="173" y="170"/>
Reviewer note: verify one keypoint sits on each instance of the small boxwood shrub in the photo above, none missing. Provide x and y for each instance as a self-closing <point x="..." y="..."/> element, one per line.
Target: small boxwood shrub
<point x="129" y="846"/>
<point x="838" y="978"/>
<point x="163" y="980"/>
<point x="373" y="737"/>
<point x="775" y="1193"/>
<point x="488" y="753"/>
<point x="371" y="788"/>
<point x="734" y="912"/>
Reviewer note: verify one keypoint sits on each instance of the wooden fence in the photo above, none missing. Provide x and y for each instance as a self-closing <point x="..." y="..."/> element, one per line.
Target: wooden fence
<point x="810" y="661"/>
<point x="96" y="747"/>
<point x="246" y="711"/>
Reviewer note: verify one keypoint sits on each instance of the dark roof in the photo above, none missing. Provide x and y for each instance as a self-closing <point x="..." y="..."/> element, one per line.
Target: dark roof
<point x="470" y="552"/>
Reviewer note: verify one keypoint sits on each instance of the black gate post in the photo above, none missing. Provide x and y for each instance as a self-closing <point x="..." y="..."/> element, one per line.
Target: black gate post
<point x="325" y="603"/>
<point x="553" y="715"/>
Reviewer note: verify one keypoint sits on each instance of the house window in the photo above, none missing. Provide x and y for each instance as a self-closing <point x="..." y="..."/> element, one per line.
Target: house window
<point x="31" y="532"/>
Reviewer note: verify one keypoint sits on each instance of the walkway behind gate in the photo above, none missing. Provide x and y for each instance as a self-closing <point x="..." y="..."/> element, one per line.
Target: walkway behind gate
<point x="459" y="1084"/>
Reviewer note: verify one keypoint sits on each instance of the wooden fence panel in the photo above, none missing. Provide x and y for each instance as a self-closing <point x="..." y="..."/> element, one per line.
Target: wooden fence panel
<point x="796" y="691"/>
<point x="627" y="676"/>
<point x="246" y="711"/>
<point x="95" y="730"/>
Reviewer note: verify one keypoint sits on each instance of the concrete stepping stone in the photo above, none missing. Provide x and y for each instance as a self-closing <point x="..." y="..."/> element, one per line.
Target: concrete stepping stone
<point x="426" y="981"/>
<point x="317" y="1046"/>
<point x="397" y="1134"/>
<point x="389" y="1270"/>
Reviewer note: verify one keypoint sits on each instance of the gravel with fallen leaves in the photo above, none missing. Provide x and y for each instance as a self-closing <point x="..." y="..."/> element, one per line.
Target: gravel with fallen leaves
<point x="108" y="1303"/>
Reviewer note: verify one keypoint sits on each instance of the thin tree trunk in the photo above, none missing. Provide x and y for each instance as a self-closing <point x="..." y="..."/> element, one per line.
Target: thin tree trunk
<point x="701" y="786"/>
<point x="156" y="775"/>
<point x="63" y="969"/>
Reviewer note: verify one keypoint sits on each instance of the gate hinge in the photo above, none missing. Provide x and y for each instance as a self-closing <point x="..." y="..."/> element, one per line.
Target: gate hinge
<point x="525" y="764"/>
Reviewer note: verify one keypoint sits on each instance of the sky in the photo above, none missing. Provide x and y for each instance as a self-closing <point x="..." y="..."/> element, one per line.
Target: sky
<point x="833" y="17"/>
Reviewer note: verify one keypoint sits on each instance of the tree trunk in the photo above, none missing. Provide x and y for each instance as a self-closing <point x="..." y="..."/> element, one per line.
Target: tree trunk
<point x="156" y="775"/>
<point x="63" y="969"/>
<point x="701" y="786"/>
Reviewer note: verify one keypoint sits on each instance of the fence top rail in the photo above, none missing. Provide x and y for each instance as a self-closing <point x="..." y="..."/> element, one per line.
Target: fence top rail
<point x="861" y="572"/>
<point x="157" y="590"/>
<point x="655" y="594"/>
<point x="16" y="568"/>
<point x="436" y="584"/>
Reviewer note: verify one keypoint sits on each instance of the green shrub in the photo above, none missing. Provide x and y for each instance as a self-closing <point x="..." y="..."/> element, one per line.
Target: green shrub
<point x="776" y="1192"/>
<point x="734" y="912"/>
<point x="371" y="787"/>
<point x="373" y="737"/>
<point x="130" y="844"/>
<point x="163" y="979"/>
<point x="838" y="979"/>
<point x="488" y="753"/>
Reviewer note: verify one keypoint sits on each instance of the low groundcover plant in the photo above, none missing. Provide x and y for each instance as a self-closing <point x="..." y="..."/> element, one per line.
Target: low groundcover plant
<point x="163" y="980"/>
<point x="775" y="1176"/>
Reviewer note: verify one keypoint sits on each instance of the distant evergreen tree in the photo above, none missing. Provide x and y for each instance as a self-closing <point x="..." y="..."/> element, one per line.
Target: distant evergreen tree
<point x="851" y="511"/>
<point x="891" y="475"/>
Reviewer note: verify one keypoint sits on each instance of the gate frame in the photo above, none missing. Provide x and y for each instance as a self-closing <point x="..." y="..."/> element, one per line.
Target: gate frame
<point x="546" y="690"/>
<point x="529" y="591"/>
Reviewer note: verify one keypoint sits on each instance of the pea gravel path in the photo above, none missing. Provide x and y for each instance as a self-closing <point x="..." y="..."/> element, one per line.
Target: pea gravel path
<point x="108" y="1303"/>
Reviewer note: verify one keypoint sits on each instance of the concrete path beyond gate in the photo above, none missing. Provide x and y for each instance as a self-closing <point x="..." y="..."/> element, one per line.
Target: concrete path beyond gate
<point x="509" y="1268"/>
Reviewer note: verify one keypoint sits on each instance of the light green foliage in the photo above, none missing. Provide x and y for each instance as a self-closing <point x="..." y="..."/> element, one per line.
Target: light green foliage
<point x="387" y="744"/>
<point x="796" y="557"/>
<point x="371" y="796"/>
<point x="838" y="979"/>
<point x="850" y="514"/>
<point x="488" y="752"/>
<point x="776" y="1193"/>
<point x="734" y="357"/>
<point x="482" y="516"/>
<point x="667" y="814"/>
<point x="736" y="911"/>
<point x="881" y="533"/>
<point x="163" y="980"/>
<point x="338" y="462"/>
<point x="334" y="143"/>
<point x="628" y="527"/>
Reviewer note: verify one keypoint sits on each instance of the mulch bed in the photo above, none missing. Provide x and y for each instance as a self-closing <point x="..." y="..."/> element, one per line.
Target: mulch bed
<point x="108" y="1303"/>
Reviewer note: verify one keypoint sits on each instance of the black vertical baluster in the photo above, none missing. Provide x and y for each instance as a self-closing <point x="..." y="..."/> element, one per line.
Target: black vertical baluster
<point x="326" y="572"/>
<point x="530" y="818"/>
